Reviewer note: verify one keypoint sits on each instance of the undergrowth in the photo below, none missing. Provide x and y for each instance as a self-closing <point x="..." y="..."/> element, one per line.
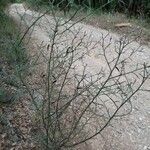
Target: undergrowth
<point x="12" y="56"/>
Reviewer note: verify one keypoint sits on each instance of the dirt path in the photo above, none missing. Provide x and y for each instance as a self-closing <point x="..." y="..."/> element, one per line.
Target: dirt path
<point x="131" y="132"/>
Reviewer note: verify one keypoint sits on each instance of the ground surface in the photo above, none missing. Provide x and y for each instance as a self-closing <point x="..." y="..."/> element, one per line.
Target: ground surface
<point x="131" y="132"/>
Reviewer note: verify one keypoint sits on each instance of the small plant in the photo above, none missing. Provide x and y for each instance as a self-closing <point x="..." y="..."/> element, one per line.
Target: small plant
<point x="74" y="102"/>
<point x="2" y="95"/>
<point x="12" y="57"/>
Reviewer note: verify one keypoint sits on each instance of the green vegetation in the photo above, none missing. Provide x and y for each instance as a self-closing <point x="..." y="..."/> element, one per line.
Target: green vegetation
<point x="130" y="7"/>
<point x="13" y="57"/>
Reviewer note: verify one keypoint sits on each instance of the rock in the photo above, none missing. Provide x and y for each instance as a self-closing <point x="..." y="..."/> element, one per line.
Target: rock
<point x="121" y="25"/>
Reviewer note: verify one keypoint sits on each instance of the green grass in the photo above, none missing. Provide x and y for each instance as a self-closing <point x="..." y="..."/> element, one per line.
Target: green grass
<point x="9" y="36"/>
<point x="13" y="57"/>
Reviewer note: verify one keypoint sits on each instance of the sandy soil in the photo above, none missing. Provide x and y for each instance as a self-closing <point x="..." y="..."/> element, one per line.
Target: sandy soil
<point x="131" y="132"/>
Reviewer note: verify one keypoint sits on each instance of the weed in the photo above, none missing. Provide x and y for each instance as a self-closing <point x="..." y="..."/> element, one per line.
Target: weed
<point x="12" y="55"/>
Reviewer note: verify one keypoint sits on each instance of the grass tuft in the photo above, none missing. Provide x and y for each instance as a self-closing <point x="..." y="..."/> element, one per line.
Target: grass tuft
<point x="13" y="57"/>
